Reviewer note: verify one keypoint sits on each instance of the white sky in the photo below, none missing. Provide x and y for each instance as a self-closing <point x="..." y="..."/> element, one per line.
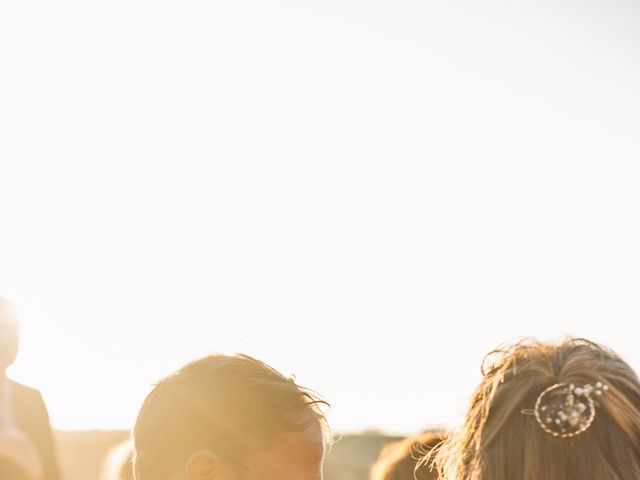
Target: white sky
<point x="368" y="194"/>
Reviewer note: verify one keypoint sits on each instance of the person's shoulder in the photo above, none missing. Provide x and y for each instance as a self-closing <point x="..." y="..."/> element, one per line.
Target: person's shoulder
<point x="24" y="391"/>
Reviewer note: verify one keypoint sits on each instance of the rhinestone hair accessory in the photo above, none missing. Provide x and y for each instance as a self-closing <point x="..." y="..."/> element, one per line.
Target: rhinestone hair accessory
<point x="565" y="410"/>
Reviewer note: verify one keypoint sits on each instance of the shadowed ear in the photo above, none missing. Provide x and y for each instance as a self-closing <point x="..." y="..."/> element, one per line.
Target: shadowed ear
<point x="204" y="465"/>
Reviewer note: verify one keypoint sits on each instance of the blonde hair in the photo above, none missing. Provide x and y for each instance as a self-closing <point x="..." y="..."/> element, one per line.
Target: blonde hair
<point x="499" y="442"/>
<point x="227" y="404"/>
<point x="399" y="460"/>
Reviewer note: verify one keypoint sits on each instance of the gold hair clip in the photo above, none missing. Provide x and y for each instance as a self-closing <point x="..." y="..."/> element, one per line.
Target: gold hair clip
<point x="564" y="410"/>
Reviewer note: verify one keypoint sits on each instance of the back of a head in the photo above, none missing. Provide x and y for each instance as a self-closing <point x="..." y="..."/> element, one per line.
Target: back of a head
<point x="227" y="404"/>
<point x="508" y="435"/>
<point x="400" y="460"/>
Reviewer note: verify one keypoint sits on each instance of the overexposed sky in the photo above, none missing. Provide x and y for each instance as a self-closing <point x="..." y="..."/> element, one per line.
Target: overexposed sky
<point x="367" y="194"/>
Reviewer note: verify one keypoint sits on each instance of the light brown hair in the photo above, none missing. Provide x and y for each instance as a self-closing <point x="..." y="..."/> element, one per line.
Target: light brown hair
<point x="230" y="405"/>
<point x="399" y="460"/>
<point x="499" y="442"/>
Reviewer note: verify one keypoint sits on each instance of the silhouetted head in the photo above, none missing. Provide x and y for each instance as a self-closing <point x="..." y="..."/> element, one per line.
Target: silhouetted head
<point x="229" y="418"/>
<point x="400" y="460"/>
<point x="549" y="411"/>
<point x="9" y="335"/>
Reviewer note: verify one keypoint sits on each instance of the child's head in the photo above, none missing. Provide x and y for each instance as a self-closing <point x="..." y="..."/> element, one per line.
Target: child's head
<point x="399" y="460"/>
<point x="228" y="417"/>
<point x="516" y="428"/>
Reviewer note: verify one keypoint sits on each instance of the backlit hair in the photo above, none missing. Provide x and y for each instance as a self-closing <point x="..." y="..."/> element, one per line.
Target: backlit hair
<point x="230" y="405"/>
<point x="399" y="460"/>
<point x="499" y="442"/>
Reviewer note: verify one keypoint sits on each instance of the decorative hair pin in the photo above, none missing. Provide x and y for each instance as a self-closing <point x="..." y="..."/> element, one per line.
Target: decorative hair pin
<point x="564" y="410"/>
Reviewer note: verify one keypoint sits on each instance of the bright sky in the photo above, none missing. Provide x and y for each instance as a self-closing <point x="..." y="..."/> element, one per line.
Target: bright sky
<point x="367" y="194"/>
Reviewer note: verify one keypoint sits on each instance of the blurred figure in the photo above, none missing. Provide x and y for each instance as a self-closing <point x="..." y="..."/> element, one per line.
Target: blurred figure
<point x="11" y="471"/>
<point x="401" y="460"/>
<point x="549" y="411"/>
<point x="25" y="431"/>
<point x="229" y="417"/>
<point x="119" y="462"/>
<point x="18" y="452"/>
